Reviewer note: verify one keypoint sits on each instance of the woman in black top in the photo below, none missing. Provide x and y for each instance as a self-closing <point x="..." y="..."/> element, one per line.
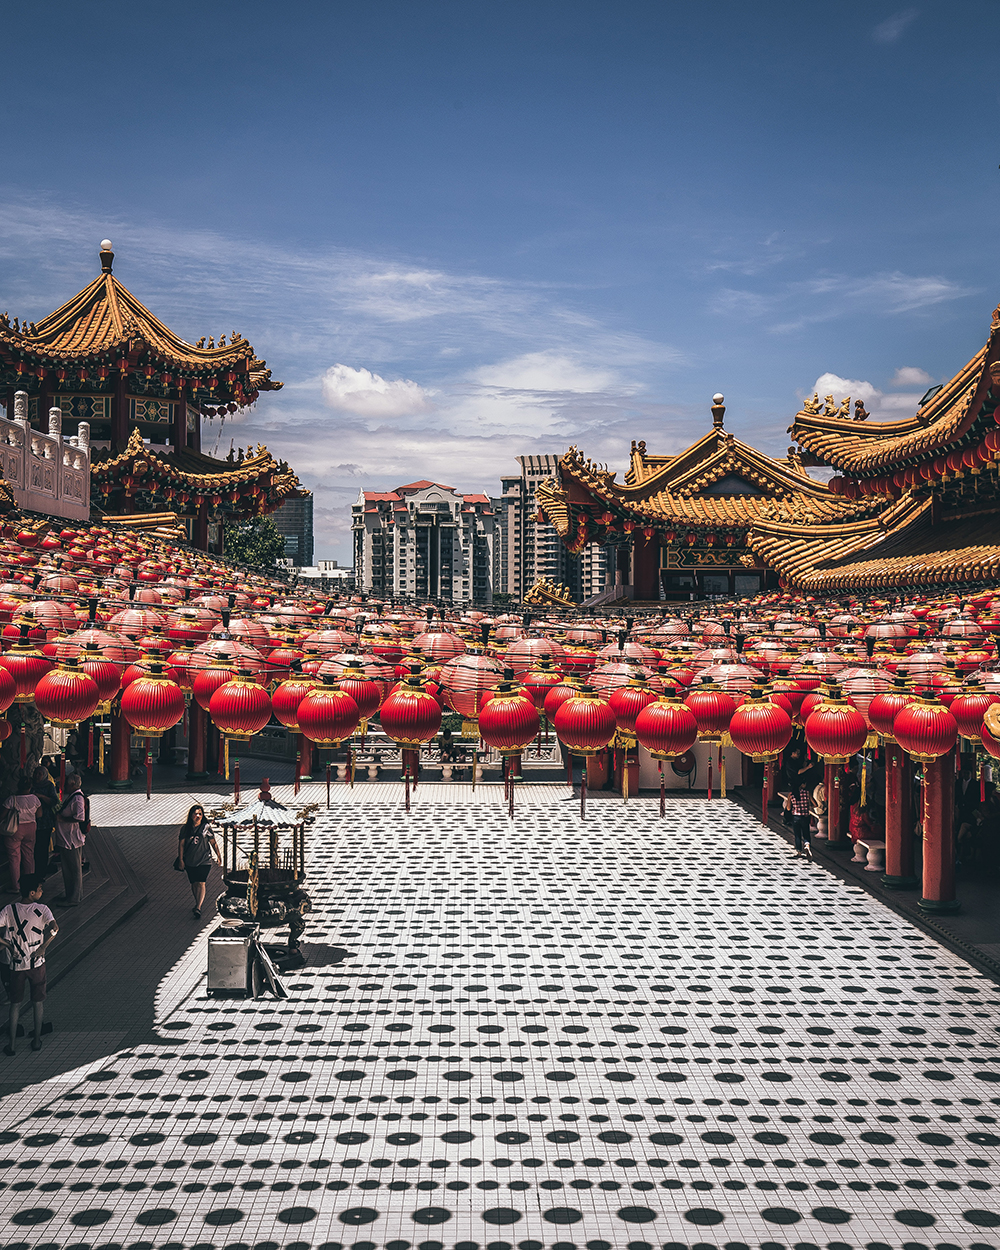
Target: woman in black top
<point x="196" y="848"/>
<point x="44" y="787"/>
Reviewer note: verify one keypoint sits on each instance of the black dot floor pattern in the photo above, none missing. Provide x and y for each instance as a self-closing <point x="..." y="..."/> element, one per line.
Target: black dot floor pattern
<point x="548" y="1034"/>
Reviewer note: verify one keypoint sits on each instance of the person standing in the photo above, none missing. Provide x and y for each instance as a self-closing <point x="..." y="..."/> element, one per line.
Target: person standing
<point x="797" y="803"/>
<point x="196" y="848"/>
<point x="21" y="843"/>
<point x="70" y="837"/>
<point x="26" y="929"/>
<point x="43" y="787"/>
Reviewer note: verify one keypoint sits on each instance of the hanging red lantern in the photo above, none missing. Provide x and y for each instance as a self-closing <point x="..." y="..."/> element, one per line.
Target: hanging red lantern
<point x="239" y="708"/>
<point x="627" y="702"/>
<point x="667" y="728"/>
<point x="539" y="680"/>
<point x="65" y="696"/>
<point x="509" y="721"/>
<point x="327" y="715"/>
<point x="585" y="722"/>
<point x="287" y="696"/>
<point x="467" y="682"/>
<point x="410" y="716"/>
<point x="6" y="729"/>
<point x="835" y="729"/>
<point x="760" y="728"/>
<point x="990" y="732"/>
<point x="925" y="729"/>
<point x="364" y="690"/>
<point x="152" y="702"/>
<point x="970" y="707"/>
<point x="26" y="665"/>
<point x="884" y="708"/>
<point x="713" y="709"/>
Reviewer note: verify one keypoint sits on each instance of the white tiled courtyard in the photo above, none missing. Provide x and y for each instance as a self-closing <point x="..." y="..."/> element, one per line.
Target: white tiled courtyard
<point x="546" y="1034"/>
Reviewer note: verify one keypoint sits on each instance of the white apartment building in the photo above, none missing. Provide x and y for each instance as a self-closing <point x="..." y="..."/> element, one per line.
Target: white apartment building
<point x="424" y="541"/>
<point x="528" y="548"/>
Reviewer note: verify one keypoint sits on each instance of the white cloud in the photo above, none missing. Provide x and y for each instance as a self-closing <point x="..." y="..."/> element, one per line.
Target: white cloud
<point x="893" y="27"/>
<point x="365" y="393"/>
<point x="545" y="371"/>
<point x="907" y="375"/>
<point x="840" y="388"/>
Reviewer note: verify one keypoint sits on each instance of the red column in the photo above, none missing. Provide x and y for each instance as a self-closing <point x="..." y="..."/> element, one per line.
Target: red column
<point x="306" y="749"/>
<point x="200" y="537"/>
<point x="938" y="889"/>
<point x="645" y="567"/>
<point x="197" y="735"/>
<point x="898" y="873"/>
<point x="834" y="772"/>
<point x="121" y="734"/>
<point x="119" y="413"/>
<point x="597" y="771"/>
<point x="180" y="425"/>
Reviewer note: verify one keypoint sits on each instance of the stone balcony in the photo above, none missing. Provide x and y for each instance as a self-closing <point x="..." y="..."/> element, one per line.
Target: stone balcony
<point x="46" y="472"/>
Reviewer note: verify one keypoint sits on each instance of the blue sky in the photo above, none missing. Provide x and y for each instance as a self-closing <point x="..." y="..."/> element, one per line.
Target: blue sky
<point x="460" y="232"/>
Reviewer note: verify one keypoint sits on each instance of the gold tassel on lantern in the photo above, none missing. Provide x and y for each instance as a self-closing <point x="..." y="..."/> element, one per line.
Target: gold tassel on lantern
<point x="225" y="756"/>
<point x="864" y="780"/>
<point x="100" y="753"/>
<point x="625" y="775"/>
<point x="722" y="773"/>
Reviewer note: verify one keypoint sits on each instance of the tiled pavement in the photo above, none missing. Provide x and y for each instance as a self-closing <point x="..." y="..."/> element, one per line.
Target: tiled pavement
<point x="548" y="1034"/>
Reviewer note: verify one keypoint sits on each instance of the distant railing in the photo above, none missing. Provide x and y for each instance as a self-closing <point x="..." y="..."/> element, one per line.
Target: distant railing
<point x="46" y="472"/>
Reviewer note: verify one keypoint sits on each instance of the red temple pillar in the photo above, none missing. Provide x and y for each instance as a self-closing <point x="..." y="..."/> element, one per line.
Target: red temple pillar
<point x="832" y="780"/>
<point x="938" y="889"/>
<point x="306" y="756"/>
<point x="119" y="413"/>
<point x="180" y="425"/>
<point x="898" y="873"/>
<point x="197" y="737"/>
<point x="200" y="538"/>
<point x="646" y="567"/>
<point x="119" y="766"/>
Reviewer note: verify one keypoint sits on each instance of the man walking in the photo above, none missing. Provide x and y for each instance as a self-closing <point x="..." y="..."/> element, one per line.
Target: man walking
<point x="26" y="929"/>
<point x="70" y="836"/>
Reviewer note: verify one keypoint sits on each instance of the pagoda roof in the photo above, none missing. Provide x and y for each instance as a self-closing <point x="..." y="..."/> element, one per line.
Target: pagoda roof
<point x="860" y="446"/>
<point x="191" y="470"/>
<point x="717" y="481"/>
<point x="106" y="320"/>
<point x="904" y="546"/>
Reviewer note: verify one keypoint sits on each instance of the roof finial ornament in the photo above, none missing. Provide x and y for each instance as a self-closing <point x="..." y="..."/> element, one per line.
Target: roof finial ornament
<point x="718" y="410"/>
<point x="107" y="256"/>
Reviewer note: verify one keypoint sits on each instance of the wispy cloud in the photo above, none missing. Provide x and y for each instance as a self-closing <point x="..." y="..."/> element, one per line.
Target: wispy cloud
<point x="791" y="306"/>
<point x="365" y="393"/>
<point x="894" y="27"/>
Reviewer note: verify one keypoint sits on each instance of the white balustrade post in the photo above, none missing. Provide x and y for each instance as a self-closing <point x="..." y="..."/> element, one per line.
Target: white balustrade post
<point x="21" y="407"/>
<point x="55" y="422"/>
<point x="83" y="435"/>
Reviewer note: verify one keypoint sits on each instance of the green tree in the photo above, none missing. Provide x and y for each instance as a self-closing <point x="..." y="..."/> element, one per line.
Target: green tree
<point x="255" y="542"/>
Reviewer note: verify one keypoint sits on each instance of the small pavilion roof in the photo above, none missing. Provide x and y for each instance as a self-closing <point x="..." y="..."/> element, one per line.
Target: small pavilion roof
<point x="106" y="320"/>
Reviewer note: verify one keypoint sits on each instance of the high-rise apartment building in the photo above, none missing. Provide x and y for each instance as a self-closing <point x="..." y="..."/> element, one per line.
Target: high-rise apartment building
<point x="424" y="541"/>
<point x="294" y="522"/>
<point x="529" y="547"/>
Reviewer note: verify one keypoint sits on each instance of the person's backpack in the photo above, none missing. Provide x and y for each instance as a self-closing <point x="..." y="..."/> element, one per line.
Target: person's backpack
<point x="11" y="821"/>
<point x="85" y="823"/>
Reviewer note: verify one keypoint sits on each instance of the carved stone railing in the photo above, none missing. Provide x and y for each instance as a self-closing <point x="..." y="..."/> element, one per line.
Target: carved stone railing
<point x="46" y="472"/>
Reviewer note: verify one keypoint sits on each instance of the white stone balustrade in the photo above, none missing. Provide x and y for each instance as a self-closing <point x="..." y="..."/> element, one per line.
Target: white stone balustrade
<point x="46" y="472"/>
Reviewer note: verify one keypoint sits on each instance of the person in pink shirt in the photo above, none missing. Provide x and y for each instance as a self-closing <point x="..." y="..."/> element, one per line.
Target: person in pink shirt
<point x="20" y="844"/>
<point x="70" y="836"/>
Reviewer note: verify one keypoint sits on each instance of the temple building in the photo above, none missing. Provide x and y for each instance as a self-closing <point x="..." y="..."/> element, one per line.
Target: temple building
<point x="104" y="360"/>
<point x="914" y="502"/>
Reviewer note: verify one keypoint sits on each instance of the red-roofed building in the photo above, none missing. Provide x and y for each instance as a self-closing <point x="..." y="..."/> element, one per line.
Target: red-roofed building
<point x="425" y="541"/>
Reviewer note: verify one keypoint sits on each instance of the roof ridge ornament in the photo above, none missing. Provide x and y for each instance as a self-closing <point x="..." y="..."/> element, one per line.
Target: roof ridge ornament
<point x="107" y="256"/>
<point x="718" y="410"/>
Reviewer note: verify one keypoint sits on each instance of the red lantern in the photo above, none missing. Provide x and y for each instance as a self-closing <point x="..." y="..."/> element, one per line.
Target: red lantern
<point x="467" y="682"/>
<point x="239" y="709"/>
<point x="538" y="681"/>
<point x="410" y="716"/>
<point x="27" y="666"/>
<point x="585" y="722"/>
<point x="364" y="690"/>
<point x="835" y="729"/>
<point x="713" y="709"/>
<point x="990" y="733"/>
<point x="760" y="728"/>
<point x="884" y="708"/>
<point x="286" y="698"/>
<point x="66" y="696"/>
<point x="509" y="722"/>
<point x="208" y="681"/>
<point x="667" y="728"/>
<point x="627" y="702"/>
<point x="925" y="729"/>
<point x="153" y="703"/>
<point x="327" y="715"/>
<point x="970" y="707"/>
